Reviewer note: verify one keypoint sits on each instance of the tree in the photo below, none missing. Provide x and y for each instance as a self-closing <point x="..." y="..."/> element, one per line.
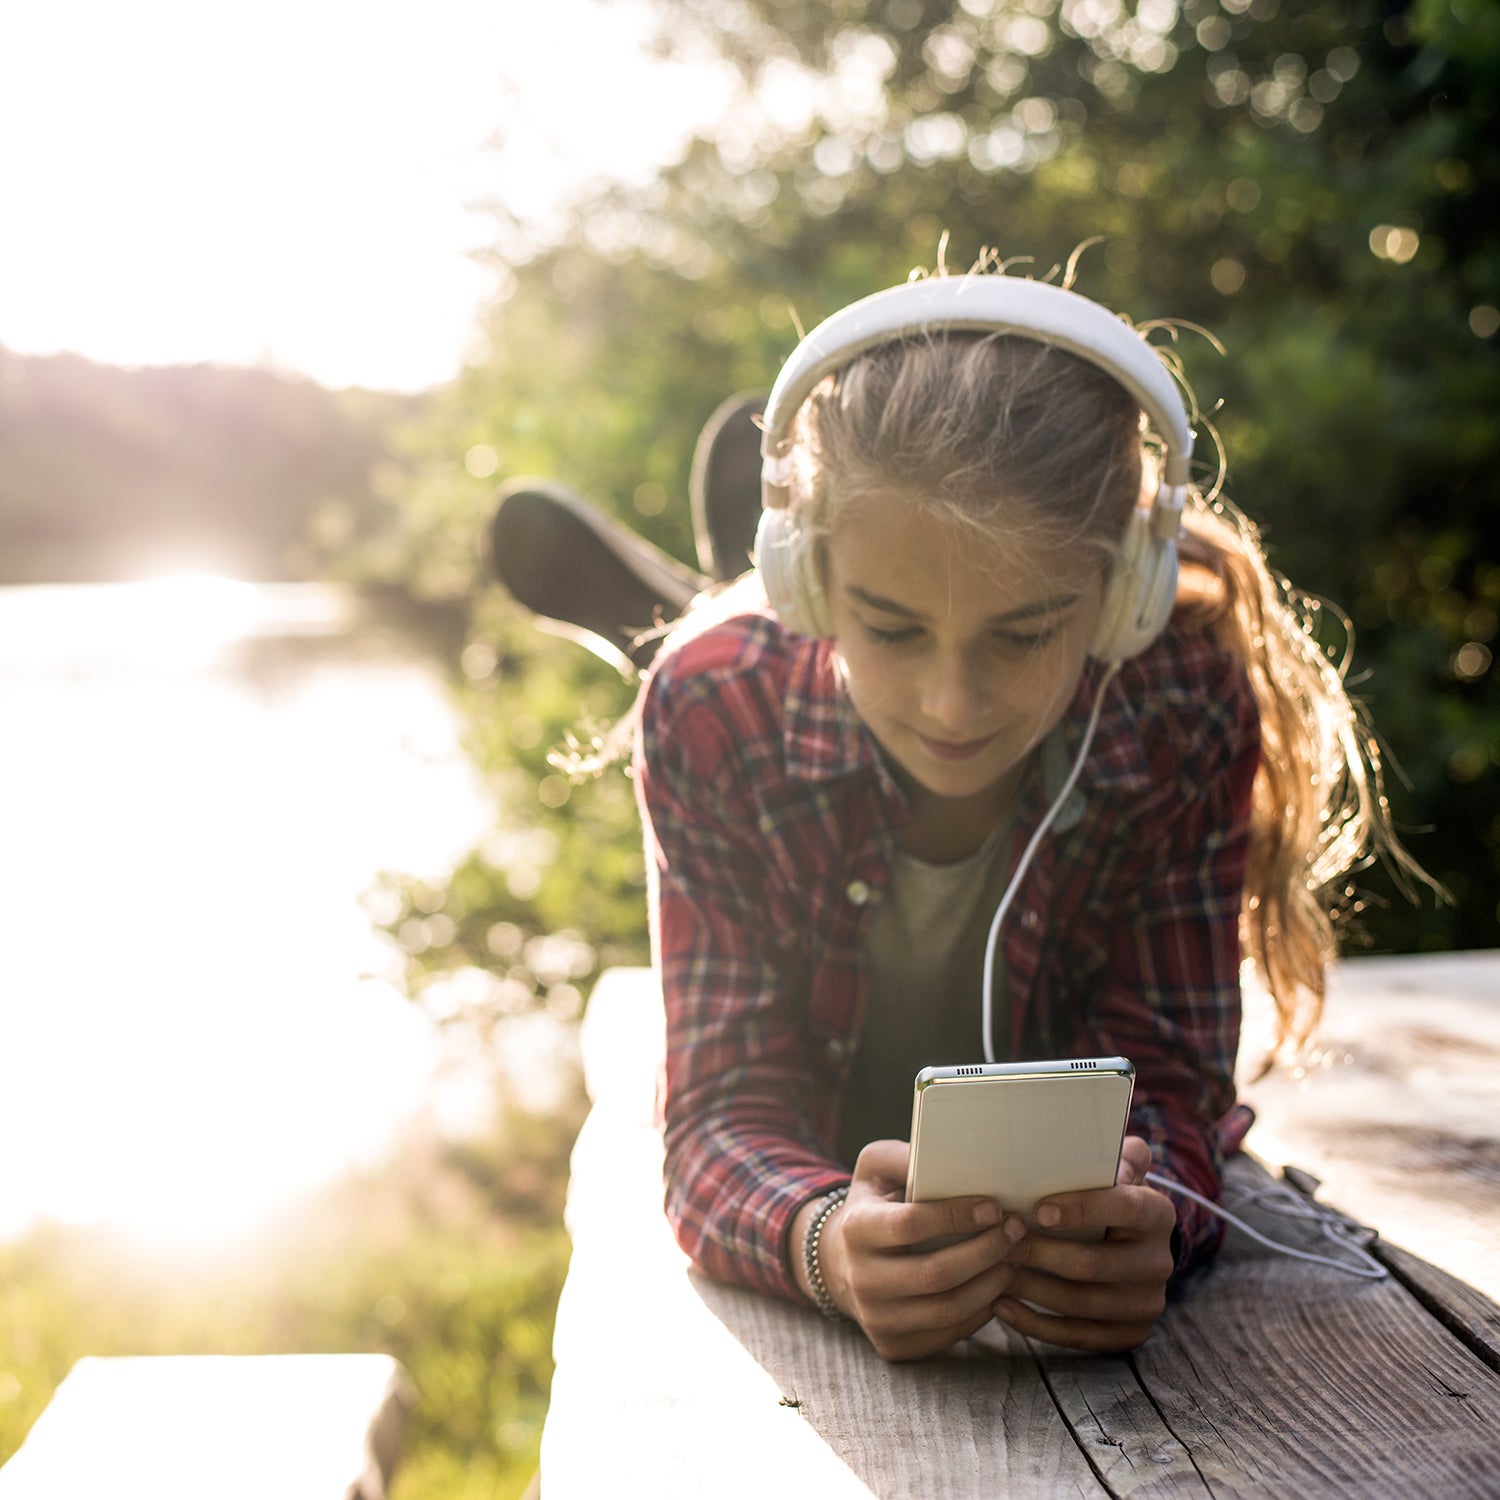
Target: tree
<point x="1309" y="181"/>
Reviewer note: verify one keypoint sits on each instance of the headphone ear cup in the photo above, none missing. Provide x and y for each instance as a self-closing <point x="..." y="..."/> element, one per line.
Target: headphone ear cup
<point x="1140" y="594"/>
<point x="786" y="559"/>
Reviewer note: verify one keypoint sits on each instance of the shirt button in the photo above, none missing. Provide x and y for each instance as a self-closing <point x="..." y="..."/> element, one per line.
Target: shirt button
<point x="834" y="1049"/>
<point x="1031" y="921"/>
<point x="857" y="892"/>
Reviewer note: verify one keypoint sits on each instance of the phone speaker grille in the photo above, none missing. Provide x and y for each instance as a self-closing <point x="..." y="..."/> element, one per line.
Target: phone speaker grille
<point x="970" y="1072"/>
<point x="1084" y="1065"/>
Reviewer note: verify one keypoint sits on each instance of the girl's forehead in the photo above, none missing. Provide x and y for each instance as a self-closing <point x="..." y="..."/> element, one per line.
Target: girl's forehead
<point x="892" y="538"/>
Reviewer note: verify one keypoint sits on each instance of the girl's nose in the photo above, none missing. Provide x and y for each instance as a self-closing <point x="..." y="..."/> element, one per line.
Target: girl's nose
<point x="954" y="693"/>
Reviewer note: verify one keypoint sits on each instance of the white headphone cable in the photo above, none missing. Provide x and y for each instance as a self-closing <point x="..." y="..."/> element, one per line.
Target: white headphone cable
<point x="1025" y="861"/>
<point x="1333" y="1225"/>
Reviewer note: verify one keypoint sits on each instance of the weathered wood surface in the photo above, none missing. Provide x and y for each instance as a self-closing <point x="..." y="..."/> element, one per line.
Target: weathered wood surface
<point x="182" y="1427"/>
<point x="1266" y="1377"/>
<point x="1398" y="1111"/>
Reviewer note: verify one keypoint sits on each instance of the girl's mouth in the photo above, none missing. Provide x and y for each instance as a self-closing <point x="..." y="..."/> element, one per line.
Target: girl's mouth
<point x="951" y="750"/>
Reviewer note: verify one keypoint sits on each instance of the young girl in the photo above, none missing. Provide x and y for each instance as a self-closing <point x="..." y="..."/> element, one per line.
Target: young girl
<point x="956" y="710"/>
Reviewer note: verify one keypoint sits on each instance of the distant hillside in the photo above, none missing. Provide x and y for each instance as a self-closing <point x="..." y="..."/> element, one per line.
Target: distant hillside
<point x="108" y="473"/>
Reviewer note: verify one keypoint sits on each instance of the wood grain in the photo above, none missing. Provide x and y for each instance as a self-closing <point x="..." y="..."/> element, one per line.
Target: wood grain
<point x="1280" y="1378"/>
<point x="1397" y="1109"/>
<point x="1267" y="1376"/>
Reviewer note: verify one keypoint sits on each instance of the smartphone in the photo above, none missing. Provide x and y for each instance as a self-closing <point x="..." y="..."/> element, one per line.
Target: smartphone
<point x="1017" y="1132"/>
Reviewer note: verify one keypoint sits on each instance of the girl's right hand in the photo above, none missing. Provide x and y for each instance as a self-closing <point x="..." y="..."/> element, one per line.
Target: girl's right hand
<point x="912" y="1302"/>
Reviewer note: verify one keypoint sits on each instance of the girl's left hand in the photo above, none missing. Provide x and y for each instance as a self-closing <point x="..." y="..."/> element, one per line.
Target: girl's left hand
<point x="1103" y="1296"/>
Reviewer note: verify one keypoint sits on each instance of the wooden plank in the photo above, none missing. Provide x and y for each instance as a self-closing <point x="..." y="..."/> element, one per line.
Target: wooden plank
<point x="1280" y="1378"/>
<point x="713" y="1389"/>
<point x="1266" y="1377"/>
<point x="1467" y="1314"/>
<point x="1398" y="1108"/>
<point x="179" y="1427"/>
<point x="1117" y="1425"/>
<point x="978" y="1420"/>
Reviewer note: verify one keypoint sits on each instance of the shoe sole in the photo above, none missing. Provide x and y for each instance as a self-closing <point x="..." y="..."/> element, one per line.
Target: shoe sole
<point x="582" y="574"/>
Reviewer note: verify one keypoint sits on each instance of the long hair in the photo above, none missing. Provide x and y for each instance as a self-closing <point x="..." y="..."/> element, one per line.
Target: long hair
<point x="1015" y="439"/>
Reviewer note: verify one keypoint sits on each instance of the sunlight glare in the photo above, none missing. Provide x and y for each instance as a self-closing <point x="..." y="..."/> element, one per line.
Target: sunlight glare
<point x="188" y="618"/>
<point x="304" y="184"/>
<point x="201" y="1023"/>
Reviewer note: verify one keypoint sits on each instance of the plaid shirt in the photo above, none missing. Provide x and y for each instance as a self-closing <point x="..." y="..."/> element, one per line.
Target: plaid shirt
<point x="771" y="825"/>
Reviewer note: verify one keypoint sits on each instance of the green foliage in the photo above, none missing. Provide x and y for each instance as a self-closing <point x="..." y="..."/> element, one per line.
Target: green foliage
<point x="556" y="891"/>
<point x="450" y="1258"/>
<point x="1312" y="182"/>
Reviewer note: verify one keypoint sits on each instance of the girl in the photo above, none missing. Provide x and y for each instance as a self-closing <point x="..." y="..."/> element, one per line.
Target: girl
<point x="945" y="706"/>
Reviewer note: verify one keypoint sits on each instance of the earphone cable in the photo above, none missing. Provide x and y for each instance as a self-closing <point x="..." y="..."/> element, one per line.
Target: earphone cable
<point x="1025" y="861"/>
<point x="1333" y="1225"/>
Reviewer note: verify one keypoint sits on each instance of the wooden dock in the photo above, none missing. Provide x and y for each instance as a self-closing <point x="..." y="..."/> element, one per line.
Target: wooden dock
<point x="1266" y="1377"/>
<point x="235" y="1427"/>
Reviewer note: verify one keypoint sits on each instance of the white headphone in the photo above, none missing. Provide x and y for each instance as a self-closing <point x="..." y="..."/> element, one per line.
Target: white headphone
<point x="1143" y="583"/>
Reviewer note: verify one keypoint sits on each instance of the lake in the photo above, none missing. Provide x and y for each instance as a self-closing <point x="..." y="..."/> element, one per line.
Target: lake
<point x="199" y="783"/>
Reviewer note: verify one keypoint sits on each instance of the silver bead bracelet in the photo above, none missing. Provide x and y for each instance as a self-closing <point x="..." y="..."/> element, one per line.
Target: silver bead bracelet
<point x="821" y="1295"/>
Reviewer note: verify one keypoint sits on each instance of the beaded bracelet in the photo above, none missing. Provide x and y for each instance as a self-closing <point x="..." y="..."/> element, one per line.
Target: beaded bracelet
<point x="821" y="1295"/>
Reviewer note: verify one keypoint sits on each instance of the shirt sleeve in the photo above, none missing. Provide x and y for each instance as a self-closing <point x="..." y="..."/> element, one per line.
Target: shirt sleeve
<point x="741" y="1153"/>
<point x="1170" y="1000"/>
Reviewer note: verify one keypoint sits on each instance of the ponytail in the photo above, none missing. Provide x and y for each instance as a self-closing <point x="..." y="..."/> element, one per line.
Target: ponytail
<point x="1319" y="808"/>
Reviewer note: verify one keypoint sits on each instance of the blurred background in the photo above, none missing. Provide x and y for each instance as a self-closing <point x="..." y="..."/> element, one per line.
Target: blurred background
<point x="298" y="918"/>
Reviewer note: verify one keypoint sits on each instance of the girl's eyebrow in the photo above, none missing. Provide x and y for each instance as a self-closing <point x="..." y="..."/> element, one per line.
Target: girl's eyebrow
<point x="1009" y="617"/>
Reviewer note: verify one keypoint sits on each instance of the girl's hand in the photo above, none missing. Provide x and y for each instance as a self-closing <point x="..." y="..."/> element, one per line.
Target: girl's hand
<point x="1103" y="1296"/>
<point x="911" y="1302"/>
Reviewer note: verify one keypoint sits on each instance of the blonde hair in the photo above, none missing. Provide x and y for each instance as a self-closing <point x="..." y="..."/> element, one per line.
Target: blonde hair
<point x="996" y="432"/>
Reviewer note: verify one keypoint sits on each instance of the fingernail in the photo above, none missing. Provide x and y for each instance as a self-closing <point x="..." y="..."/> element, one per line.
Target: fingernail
<point x="986" y="1214"/>
<point x="1049" y="1216"/>
<point x="1015" y="1230"/>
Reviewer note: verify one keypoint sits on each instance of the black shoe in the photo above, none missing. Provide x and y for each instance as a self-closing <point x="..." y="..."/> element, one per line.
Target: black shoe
<point x="584" y="575"/>
<point x="725" y="487"/>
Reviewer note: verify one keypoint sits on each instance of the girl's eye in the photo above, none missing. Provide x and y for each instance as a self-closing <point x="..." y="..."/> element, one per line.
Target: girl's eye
<point x="1026" y="642"/>
<point x="897" y="637"/>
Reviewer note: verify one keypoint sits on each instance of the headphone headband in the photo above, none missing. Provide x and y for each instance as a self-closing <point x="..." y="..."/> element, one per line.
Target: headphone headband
<point x="1142" y="587"/>
<point x="981" y="304"/>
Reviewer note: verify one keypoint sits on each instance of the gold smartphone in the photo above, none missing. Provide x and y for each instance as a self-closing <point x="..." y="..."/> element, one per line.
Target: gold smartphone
<point x="1017" y="1132"/>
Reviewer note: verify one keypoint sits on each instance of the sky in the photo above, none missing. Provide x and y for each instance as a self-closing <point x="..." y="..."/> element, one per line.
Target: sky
<point x="300" y="183"/>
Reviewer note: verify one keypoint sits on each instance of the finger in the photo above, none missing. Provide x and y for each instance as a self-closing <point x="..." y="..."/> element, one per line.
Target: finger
<point x="883" y="1163"/>
<point x="1073" y="1333"/>
<point x="1140" y="1211"/>
<point x="1135" y="1161"/>
<point x="918" y="1344"/>
<point x="931" y="1273"/>
<point x="1109" y="1302"/>
<point x="1105" y="1262"/>
<point x="901" y="1323"/>
<point x="931" y="1224"/>
<point x="885" y="1226"/>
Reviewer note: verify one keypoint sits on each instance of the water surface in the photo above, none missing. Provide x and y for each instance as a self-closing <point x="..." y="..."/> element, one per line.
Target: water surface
<point x="199" y="781"/>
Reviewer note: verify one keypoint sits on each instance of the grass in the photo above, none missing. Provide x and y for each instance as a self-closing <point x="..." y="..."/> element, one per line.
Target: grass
<point x="449" y="1257"/>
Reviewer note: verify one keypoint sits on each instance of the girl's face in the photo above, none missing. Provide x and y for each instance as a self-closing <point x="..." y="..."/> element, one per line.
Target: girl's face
<point x="958" y="658"/>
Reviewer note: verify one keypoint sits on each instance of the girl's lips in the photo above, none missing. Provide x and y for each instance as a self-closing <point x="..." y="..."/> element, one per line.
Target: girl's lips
<point x="947" y="750"/>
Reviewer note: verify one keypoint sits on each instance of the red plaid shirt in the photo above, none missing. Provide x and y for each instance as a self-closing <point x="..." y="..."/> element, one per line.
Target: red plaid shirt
<point x="771" y="825"/>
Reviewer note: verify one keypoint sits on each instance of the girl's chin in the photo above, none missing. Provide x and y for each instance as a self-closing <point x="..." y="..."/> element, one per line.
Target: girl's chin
<point x="957" y="782"/>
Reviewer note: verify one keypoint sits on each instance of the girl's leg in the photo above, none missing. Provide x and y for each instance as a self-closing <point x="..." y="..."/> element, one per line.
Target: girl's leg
<point x="725" y="487"/>
<point x="584" y="575"/>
